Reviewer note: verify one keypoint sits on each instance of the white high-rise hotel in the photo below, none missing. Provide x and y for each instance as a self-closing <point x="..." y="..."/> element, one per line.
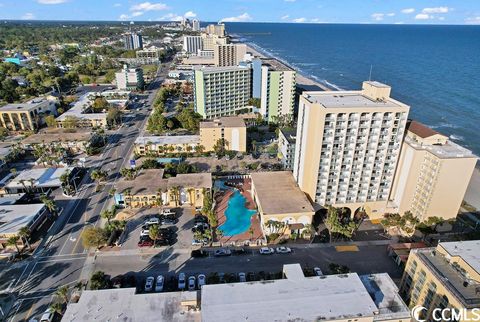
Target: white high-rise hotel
<point x="348" y="143"/>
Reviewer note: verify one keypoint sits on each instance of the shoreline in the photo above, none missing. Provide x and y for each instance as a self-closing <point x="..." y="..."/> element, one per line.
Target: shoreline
<point x="302" y="81"/>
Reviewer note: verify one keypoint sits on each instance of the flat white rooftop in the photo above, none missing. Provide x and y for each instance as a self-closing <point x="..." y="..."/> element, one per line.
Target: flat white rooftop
<point x="348" y="99"/>
<point x="309" y="299"/>
<point x="168" y="140"/>
<point x="14" y="217"/>
<point x="41" y="178"/>
<point x="24" y="107"/>
<point x="125" y="305"/>
<point x="78" y="108"/>
<point x="450" y="150"/>
<point x="469" y="251"/>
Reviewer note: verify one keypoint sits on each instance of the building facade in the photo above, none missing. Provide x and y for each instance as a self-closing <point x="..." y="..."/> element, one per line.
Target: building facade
<point x="160" y="145"/>
<point x="348" y="143"/>
<point x="221" y="91"/>
<point x="149" y="56"/>
<point x="28" y="116"/>
<point x="192" y="44"/>
<point x="230" y="54"/>
<point x="277" y="91"/>
<point x="195" y="25"/>
<point x="432" y="175"/>
<point x="230" y="129"/>
<point x="133" y="41"/>
<point x="286" y="147"/>
<point x="447" y="276"/>
<point x="130" y="78"/>
<point x="209" y="41"/>
<point x="218" y="29"/>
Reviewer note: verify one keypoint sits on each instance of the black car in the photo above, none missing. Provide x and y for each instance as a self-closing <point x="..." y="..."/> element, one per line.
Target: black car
<point x="199" y="253"/>
<point x="239" y="251"/>
<point x="164" y="242"/>
<point x="168" y="222"/>
<point x="200" y="219"/>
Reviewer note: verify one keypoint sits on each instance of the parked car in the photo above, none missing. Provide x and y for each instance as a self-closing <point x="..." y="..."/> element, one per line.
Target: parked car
<point x="242" y="277"/>
<point x="47" y="316"/>
<point x="191" y="283"/>
<point x="163" y="242"/>
<point x="283" y="250"/>
<point x="167" y="221"/>
<point x="145" y="232"/>
<point x="198" y="209"/>
<point x="222" y="252"/>
<point x="145" y="243"/>
<point x="202" y="280"/>
<point x="317" y="271"/>
<point x="166" y="211"/>
<point x="181" y="281"/>
<point x="266" y="251"/>
<point x="198" y="253"/>
<point x="239" y="251"/>
<point x="152" y="221"/>
<point x="149" y="283"/>
<point x="200" y="219"/>
<point x="196" y="242"/>
<point x="159" y="283"/>
<point x="169" y="215"/>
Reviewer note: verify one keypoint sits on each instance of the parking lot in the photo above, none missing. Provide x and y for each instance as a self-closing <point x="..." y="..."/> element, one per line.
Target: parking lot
<point x="182" y="228"/>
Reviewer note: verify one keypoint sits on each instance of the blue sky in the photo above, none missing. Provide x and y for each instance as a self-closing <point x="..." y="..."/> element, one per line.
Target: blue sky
<point x="300" y="11"/>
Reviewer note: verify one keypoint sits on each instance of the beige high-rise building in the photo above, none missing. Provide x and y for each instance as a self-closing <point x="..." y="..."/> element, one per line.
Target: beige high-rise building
<point x="27" y="116"/>
<point x="447" y="276"/>
<point x="218" y="29"/>
<point x="432" y="174"/>
<point x="348" y="143"/>
<point x="230" y="54"/>
<point x="210" y="40"/>
<point x="232" y="129"/>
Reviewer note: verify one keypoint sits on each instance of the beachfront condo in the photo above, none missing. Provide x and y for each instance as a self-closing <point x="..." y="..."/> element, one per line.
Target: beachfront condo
<point x="192" y="44"/>
<point x="277" y="91"/>
<point x="232" y="131"/>
<point x="218" y="29"/>
<point x="348" y="143"/>
<point x="209" y="41"/>
<point x="447" y="276"/>
<point x="229" y="54"/>
<point x="432" y="174"/>
<point x="221" y="91"/>
<point x="286" y="146"/>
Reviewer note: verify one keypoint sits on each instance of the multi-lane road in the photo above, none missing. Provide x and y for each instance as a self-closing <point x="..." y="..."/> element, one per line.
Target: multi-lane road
<point x="61" y="258"/>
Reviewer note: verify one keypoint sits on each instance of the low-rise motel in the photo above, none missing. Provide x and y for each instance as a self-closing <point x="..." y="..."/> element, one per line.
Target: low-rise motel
<point x="444" y="277"/>
<point x="150" y="189"/>
<point x="270" y="191"/>
<point x="336" y="298"/>
<point x="231" y="129"/>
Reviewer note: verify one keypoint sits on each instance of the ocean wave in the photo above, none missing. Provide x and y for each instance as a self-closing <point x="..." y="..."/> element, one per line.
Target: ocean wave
<point x="271" y="54"/>
<point x="456" y="137"/>
<point x="445" y="125"/>
<point x="307" y="64"/>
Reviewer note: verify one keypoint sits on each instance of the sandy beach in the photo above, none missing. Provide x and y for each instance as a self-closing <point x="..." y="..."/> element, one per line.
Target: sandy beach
<point x="302" y="81"/>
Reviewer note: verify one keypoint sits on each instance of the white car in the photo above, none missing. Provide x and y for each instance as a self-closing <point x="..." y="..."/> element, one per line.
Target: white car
<point x="242" y="277"/>
<point x="152" y="221"/>
<point x="266" y="251"/>
<point x="181" y="281"/>
<point x="159" y="283"/>
<point x="149" y="284"/>
<point x="202" y="280"/>
<point x="191" y="283"/>
<point x="166" y="211"/>
<point x="145" y="232"/>
<point x="317" y="271"/>
<point x="283" y="250"/>
<point x="47" y="316"/>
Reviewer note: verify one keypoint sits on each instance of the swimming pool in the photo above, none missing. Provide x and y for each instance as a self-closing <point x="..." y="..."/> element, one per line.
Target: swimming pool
<point x="238" y="216"/>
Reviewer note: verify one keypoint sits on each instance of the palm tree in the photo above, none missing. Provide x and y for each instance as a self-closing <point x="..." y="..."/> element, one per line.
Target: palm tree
<point x="154" y="233"/>
<point x="175" y="193"/>
<point x="199" y="149"/>
<point x="111" y="192"/>
<point x="159" y="200"/>
<point x="107" y="214"/>
<point x="191" y="195"/>
<point x="49" y="203"/>
<point x="12" y="241"/>
<point x="250" y="230"/>
<point x="24" y="234"/>
<point x="62" y="292"/>
<point x="57" y="307"/>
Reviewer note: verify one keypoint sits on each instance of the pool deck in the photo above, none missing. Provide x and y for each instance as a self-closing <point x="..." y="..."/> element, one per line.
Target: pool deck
<point x="222" y="199"/>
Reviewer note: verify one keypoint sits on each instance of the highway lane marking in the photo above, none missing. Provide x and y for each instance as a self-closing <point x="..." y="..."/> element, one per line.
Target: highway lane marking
<point x="28" y="277"/>
<point x="60" y="255"/>
<point x="16" y="310"/>
<point x="62" y="259"/>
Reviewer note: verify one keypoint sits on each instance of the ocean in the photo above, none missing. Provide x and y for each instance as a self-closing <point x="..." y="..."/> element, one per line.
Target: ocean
<point x="434" y="69"/>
